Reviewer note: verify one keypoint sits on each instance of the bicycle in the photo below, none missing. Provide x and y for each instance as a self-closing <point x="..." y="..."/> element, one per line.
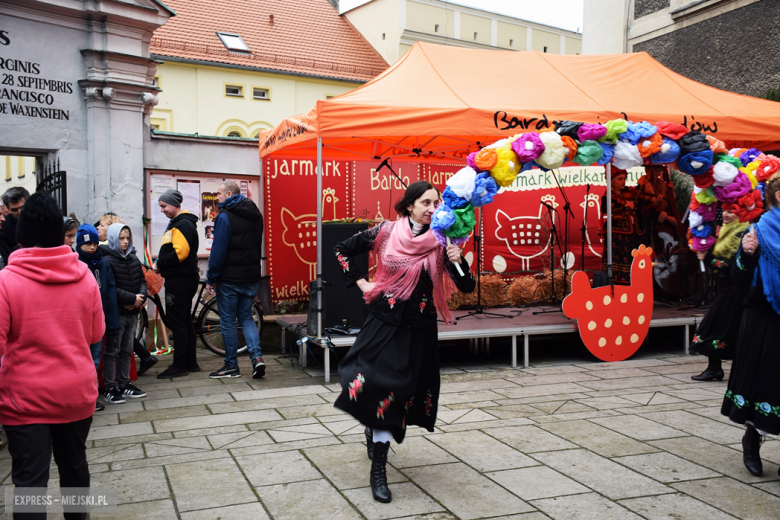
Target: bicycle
<point x="207" y="321"/>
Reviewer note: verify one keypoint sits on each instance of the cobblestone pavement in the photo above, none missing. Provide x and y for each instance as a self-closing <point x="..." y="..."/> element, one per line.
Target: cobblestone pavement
<point x="628" y="440"/>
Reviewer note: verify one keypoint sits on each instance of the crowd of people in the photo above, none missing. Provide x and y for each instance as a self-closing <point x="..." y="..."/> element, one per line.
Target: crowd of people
<point x="92" y="279"/>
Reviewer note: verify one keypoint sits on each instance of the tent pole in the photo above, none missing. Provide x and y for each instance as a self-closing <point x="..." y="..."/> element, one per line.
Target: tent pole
<point x="609" y="220"/>
<point x="319" y="240"/>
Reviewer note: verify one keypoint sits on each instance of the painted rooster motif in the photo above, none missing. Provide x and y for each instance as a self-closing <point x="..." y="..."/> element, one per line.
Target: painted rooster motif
<point x="300" y="232"/>
<point x="614" y="321"/>
<point x="593" y="205"/>
<point x="520" y="232"/>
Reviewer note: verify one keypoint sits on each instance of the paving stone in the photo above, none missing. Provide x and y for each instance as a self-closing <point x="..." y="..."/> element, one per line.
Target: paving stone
<point x="472" y="396"/>
<point x="134" y="484"/>
<point x="240" y="512"/>
<point x="285" y="446"/>
<point x="714" y="431"/>
<point x="631" y="363"/>
<point x="633" y="382"/>
<point x="347" y="465"/>
<point x="317" y="410"/>
<point x="279" y="392"/>
<point x="602" y="475"/>
<point x="148" y="510"/>
<point x="534" y="400"/>
<point x="158" y="394"/>
<point x="488" y="384"/>
<point x="541" y="390"/>
<point x="536" y="515"/>
<point x="165" y="413"/>
<point x="201" y="486"/>
<point x="161" y="404"/>
<point x="297" y="433"/>
<point x="239" y="440"/>
<point x="530" y="439"/>
<point x="473" y="416"/>
<point x="466" y="493"/>
<point x="481" y="451"/>
<point x="119" y="430"/>
<point x="468" y="406"/>
<point x="537" y="482"/>
<point x="673" y="507"/>
<point x="715" y="457"/>
<point x="698" y="394"/>
<point x="665" y="467"/>
<point x="483" y="424"/>
<point x="114" y="453"/>
<point x="116" y="441"/>
<point x="225" y="419"/>
<point x="312" y="499"/>
<point x="177" y="446"/>
<point x="659" y="408"/>
<point x="583" y="507"/>
<point x="105" y="419"/>
<point x="418" y="451"/>
<point x="217" y="430"/>
<point x="265" y="404"/>
<point x="733" y="497"/>
<point x="170" y="459"/>
<point x="554" y="369"/>
<point x="548" y="379"/>
<point x="598" y="439"/>
<point x="277" y="468"/>
<point x="638" y="427"/>
<point x="622" y="373"/>
<point x="513" y="411"/>
<point x="407" y="500"/>
<point x="606" y="403"/>
<point x="236" y="386"/>
<point x="769" y="487"/>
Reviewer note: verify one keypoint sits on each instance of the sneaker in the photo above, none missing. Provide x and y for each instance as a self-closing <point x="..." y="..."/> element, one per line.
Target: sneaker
<point x="132" y="392"/>
<point x="113" y="396"/>
<point x="258" y="368"/>
<point x="225" y="372"/>
<point x="99" y="407"/>
<point x="146" y="364"/>
<point x="172" y="371"/>
<point x="196" y="368"/>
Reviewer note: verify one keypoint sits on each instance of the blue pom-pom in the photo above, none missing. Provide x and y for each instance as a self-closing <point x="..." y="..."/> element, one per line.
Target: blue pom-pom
<point x="608" y="152"/>
<point x="484" y="190"/>
<point x="705" y="157"/>
<point x="452" y="200"/>
<point x="702" y="230"/>
<point x="443" y="218"/>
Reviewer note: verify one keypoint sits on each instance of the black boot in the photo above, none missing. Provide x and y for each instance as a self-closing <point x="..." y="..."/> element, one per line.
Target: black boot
<point x="714" y="372"/>
<point x="379" y="474"/>
<point x="751" y="446"/>
<point x="369" y="441"/>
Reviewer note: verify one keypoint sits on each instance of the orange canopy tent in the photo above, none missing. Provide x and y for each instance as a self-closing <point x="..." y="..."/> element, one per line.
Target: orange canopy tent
<point x="445" y="102"/>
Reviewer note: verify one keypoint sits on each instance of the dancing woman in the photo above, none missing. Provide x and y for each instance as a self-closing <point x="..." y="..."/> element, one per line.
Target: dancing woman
<point x="390" y="377"/>
<point x="753" y="396"/>
<point x="717" y="334"/>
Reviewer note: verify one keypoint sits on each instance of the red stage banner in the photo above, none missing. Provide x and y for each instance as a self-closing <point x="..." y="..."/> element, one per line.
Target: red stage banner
<point x="291" y="218"/>
<point x="374" y="193"/>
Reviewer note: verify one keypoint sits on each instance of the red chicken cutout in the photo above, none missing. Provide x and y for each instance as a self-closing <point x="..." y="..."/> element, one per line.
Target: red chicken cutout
<point x="614" y="320"/>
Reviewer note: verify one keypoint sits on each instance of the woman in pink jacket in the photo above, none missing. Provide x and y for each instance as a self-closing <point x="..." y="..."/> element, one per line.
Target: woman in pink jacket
<point x="50" y="312"/>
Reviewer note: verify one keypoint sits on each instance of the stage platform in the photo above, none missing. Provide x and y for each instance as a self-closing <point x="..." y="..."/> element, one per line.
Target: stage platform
<point x="523" y="323"/>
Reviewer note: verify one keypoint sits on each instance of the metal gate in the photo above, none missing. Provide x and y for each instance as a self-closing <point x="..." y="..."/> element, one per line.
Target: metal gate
<point x="54" y="182"/>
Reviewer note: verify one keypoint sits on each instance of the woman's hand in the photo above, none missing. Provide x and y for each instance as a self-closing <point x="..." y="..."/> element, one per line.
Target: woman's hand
<point x="750" y="242"/>
<point x="365" y="285"/>
<point x="453" y="253"/>
<point x="701" y="255"/>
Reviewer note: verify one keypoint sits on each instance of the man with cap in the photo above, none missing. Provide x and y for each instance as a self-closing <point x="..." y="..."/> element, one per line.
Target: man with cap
<point x="177" y="262"/>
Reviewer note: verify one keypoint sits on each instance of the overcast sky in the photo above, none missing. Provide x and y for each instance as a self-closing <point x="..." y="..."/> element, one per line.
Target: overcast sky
<point x="566" y="14"/>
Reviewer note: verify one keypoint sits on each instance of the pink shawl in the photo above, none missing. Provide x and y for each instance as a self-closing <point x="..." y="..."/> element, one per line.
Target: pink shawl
<point x="401" y="257"/>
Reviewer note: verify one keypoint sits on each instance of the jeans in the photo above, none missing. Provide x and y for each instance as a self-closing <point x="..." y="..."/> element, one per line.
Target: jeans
<point x="31" y="447"/>
<point x="236" y="301"/>
<point x="179" y="293"/>
<point x="119" y="350"/>
<point x="96" y="349"/>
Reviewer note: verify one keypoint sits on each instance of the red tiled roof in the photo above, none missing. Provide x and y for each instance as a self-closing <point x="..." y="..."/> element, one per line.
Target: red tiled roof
<point x="307" y="37"/>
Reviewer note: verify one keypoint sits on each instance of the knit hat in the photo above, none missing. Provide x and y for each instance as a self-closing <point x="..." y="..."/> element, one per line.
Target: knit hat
<point x="671" y="130"/>
<point x="528" y="147"/>
<point x="668" y="153"/>
<point x="568" y="128"/>
<point x="693" y="142"/>
<point x="172" y="197"/>
<point x="588" y="152"/>
<point x="696" y="163"/>
<point x="86" y="234"/>
<point x="626" y="156"/>
<point x="40" y="222"/>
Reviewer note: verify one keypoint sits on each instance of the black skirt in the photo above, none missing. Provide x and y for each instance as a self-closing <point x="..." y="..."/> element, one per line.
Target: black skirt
<point x="390" y="377"/>
<point x="754" y="392"/>
<point x="717" y="334"/>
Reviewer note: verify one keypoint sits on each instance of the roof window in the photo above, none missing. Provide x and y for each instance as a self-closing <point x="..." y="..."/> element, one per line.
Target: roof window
<point x="233" y="42"/>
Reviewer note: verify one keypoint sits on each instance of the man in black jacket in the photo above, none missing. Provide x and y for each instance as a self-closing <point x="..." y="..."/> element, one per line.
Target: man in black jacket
<point x="234" y="275"/>
<point x="13" y="200"/>
<point x="178" y="264"/>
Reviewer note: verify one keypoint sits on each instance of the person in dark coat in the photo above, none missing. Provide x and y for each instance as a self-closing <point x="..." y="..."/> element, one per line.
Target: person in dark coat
<point x="716" y="337"/>
<point x="234" y="275"/>
<point x="131" y="296"/>
<point x="177" y="262"/>
<point x="390" y="376"/>
<point x="753" y="395"/>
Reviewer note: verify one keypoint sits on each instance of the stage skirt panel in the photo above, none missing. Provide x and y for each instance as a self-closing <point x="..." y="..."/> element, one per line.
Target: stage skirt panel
<point x="717" y="334"/>
<point x="390" y="377"/>
<point x="753" y="391"/>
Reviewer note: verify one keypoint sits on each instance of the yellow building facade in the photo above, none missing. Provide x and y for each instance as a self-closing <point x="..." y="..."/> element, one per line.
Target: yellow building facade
<point x="393" y="26"/>
<point x="17" y="171"/>
<point x="229" y="101"/>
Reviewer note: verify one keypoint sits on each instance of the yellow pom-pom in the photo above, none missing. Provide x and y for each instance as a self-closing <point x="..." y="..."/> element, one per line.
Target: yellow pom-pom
<point x="507" y="167"/>
<point x="750" y="171"/>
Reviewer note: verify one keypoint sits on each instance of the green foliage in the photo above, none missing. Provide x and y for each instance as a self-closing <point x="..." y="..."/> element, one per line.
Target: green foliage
<point x="683" y="187"/>
<point x="773" y="94"/>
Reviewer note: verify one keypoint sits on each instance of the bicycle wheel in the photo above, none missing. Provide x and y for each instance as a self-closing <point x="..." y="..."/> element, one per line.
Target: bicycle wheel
<point x="209" y="328"/>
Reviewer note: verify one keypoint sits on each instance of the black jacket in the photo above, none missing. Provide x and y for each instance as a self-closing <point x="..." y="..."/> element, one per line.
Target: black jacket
<point x="129" y="276"/>
<point x="238" y="241"/>
<point x="179" y="250"/>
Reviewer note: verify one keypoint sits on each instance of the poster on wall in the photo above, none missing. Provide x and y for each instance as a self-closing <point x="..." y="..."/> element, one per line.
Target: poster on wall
<point x="291" y="219"/>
